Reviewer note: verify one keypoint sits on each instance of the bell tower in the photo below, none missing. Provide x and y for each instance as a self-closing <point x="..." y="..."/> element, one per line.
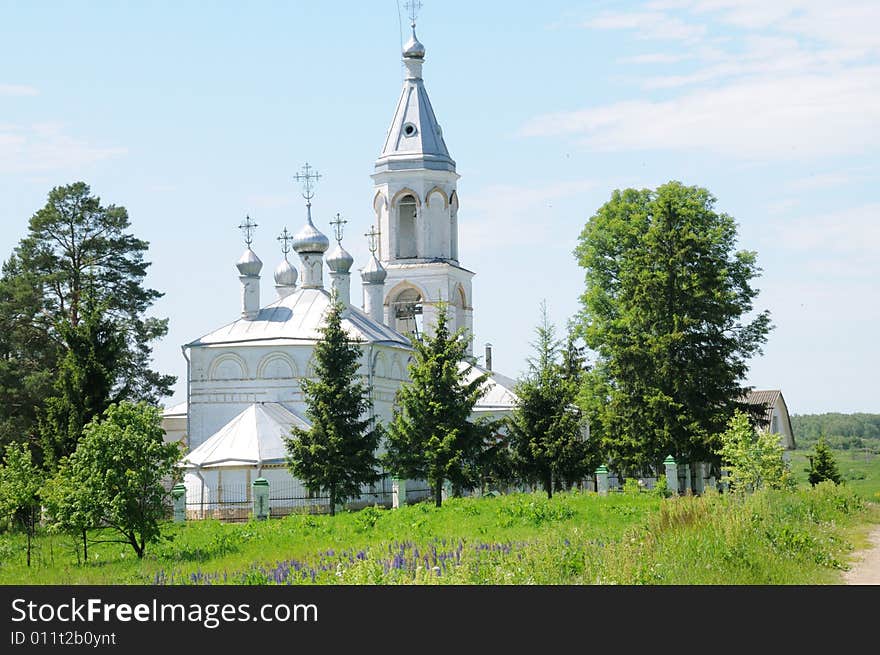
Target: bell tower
<point x="416" y="207"/>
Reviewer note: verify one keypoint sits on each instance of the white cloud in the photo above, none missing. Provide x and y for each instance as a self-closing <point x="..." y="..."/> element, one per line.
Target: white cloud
<point x="793" y="117"/>
<point x="650" y="25"/>
<point x="17" y="90"/>
<point x="45" y="147"/>
<point x="800" y="79"/>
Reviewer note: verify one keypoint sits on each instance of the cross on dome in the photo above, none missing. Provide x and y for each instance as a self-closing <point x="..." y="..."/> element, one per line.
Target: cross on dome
<point x="372" y="239"/>
<point x="306" y="177"/>
<point x="248" y="227"/>
<point x="337" y="224"/>
<point x="413" y="7"/>
<point x="285" y="238"/>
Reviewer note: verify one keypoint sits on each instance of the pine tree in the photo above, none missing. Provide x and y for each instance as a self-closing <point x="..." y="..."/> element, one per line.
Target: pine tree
<point x="431" y="435"/>
<point x="338" y="453"/>
<point x="822" y="464"/>
<point x="547" y="429"/>
<point x="77" y="258"/>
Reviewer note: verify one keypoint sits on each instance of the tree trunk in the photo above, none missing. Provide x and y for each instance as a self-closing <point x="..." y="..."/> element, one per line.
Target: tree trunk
<point x="548" y="485"/>
<point x="332" y="501"/>
<point x="85" y="546"/>
<point x="438" y="494"/>
<point x="30" y="530"/>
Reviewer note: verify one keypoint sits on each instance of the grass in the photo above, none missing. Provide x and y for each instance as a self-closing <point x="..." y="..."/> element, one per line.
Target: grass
<point x="801" y="537"/>
<point x="860" y="470"/>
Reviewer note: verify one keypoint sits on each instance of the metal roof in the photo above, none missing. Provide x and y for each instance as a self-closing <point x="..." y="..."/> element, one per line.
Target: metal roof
<point x="299" y="318"/>
<point x="499" y="390"/>
<point x="253" y="438"/>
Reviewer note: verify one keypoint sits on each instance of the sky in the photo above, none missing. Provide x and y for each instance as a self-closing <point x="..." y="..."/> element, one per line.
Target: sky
<point x="194" y="114"/>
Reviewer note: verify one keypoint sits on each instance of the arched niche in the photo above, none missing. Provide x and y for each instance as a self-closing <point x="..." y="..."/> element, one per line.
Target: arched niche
<point x="437" y="195"/>
<point x="228" y="366"/>
<point x="276" y="366"/>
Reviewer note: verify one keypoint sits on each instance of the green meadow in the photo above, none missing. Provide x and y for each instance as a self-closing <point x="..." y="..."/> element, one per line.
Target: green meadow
<point x="800" y="537"/>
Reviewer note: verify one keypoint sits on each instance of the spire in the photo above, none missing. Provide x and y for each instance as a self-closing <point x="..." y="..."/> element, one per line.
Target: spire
<point x="414" y="139"/>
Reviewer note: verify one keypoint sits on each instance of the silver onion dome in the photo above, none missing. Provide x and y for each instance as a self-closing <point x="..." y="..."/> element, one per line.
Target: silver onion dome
<point x="339" y="260"/>
<point x="373" y="272"/>
<point x="249" y="264"/>
<point x="413" y="48"/>
<point x="285" y="274"/>
<point x="310" y="239"/>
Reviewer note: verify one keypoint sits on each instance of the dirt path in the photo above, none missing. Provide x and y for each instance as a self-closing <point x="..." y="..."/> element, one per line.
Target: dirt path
<point x="866" y="564"/>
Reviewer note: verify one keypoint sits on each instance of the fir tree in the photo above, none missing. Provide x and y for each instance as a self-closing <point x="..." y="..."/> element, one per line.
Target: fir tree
<point x="338" y="453"/>
<point x="431" y="435"/>
<point x="547" y="429"/>
<point x="822" y="464"/>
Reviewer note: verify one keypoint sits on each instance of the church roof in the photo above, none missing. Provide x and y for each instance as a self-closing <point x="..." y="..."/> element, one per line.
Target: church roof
<point x="298" y="318"/>
<point x="253" y="438"/>
<point x="414" y="139"/>
<point x="499" y="394"/>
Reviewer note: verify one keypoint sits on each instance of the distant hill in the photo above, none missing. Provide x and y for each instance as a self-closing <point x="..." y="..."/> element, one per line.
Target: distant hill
<point x="843" y="431"/>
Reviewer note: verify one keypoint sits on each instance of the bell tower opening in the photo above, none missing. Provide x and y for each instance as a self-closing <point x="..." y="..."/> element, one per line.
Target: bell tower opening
<point x="407" y="313"/>
<point x="406" y="228"/>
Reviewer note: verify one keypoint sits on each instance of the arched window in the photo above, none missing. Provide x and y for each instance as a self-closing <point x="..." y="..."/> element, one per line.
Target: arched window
<point x="408" y="313"/>
<point x="406" y="227"/>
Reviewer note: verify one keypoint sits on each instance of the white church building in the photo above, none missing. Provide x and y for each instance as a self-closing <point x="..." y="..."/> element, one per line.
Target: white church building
<point x="243" y="391"/>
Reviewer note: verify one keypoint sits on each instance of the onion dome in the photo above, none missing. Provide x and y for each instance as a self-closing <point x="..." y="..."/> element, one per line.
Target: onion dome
<point x="339" y="261"/>
<point x="249" y="264"/>
<point x="310" y="239"/>
<point x="285" y="274"/>
<point x="374" y="272"/>
<point x="413" y="48"/>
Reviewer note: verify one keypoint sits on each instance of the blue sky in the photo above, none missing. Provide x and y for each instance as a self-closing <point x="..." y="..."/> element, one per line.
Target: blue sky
<point x="193" y="114"/>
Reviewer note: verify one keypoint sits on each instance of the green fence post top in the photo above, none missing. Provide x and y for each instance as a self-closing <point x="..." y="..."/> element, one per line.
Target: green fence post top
<point x="260" y="482"/>
<point x="669" y="460"/>
<point x="178" y="489"/>
<point x="602" y="469"/>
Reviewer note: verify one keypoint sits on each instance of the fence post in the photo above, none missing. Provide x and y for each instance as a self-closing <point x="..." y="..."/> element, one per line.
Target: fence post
<point x="602" y="480"/>
<point x="261" y="498"/>
<point x="671" y="475"/>
<point x="687" y="478"/>
<point x="700" y="482"/>
<point x="398" y="493"/>
<point x="178" y="493"/>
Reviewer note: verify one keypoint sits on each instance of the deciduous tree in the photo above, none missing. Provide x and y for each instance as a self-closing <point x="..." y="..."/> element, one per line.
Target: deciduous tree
<point x="668" y="310"/>
<point x="122" y="465"/>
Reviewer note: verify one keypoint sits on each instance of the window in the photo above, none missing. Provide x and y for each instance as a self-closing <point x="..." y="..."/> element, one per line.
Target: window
<point x="406" y="228"/>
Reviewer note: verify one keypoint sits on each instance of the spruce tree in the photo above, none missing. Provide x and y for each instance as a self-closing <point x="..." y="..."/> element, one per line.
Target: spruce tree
<point x="822" y="464"/>
<point x="431" y="435"/>
<point x="337" y="454"/>
<point x="547" y="429"/>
